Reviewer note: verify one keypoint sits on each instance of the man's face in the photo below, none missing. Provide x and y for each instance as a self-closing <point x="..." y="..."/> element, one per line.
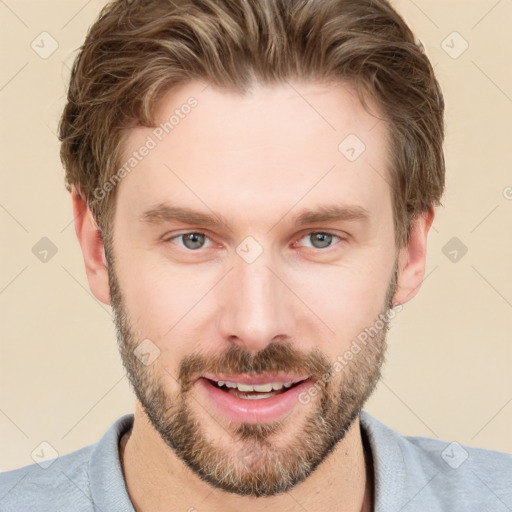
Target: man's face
<point x="259" y="297"/>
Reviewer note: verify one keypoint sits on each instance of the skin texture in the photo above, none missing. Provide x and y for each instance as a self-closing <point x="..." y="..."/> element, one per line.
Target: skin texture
<point x="257" y="161"/>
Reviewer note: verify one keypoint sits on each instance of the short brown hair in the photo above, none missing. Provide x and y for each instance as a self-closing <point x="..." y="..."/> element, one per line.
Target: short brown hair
<point x="138" y="50"/>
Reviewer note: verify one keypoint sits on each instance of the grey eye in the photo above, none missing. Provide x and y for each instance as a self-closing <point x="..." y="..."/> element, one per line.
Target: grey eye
<point x="320" y="240"/>
<point x="193" y="240"/>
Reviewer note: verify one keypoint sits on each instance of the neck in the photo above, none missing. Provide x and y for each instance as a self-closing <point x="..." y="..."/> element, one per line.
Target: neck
<point x="156" y="479"/>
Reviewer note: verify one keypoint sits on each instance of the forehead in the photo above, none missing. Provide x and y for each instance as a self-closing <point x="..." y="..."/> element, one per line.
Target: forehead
<point x="259" y="154"/>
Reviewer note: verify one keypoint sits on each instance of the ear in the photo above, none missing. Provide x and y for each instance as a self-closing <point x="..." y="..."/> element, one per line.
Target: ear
<point x="412" y="259"/>
<point x="91" y="242"/>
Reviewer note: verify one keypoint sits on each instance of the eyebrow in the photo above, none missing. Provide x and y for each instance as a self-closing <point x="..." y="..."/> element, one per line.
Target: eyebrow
<point x="325" y="213"/>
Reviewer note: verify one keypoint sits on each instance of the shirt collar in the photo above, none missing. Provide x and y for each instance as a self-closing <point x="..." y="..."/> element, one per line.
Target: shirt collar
<point x="108" y="488"/>
<point x="388" y="463"/>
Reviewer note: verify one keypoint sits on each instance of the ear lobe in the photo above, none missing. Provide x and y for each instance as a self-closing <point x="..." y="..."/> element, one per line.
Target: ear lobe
<point x="91" y="242"/>
<point x="412" y="259"/>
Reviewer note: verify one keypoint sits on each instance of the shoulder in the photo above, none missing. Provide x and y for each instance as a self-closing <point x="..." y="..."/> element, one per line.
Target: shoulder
<point x="432" y="474"/>
<point x="85" y="480"/>
<point x="56" y="484"/>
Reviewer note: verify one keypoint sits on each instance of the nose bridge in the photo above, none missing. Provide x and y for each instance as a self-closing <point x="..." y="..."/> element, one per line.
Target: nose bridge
<point x="255" y="307"/>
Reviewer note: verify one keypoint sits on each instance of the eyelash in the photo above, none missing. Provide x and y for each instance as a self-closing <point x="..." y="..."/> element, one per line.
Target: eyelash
<point x="179" y="235"/>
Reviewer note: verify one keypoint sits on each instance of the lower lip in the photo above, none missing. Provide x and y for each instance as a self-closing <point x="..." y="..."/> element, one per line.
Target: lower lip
<point x="262" y="410"/>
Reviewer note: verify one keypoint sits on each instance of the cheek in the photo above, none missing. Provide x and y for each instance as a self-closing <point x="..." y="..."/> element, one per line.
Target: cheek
<point x="156" y="295"/>
<point x="172" y="306"/>
<point x="345" y="298"/>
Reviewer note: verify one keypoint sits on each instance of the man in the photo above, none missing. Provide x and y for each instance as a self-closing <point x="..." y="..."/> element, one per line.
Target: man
<point x="253" y="184"/>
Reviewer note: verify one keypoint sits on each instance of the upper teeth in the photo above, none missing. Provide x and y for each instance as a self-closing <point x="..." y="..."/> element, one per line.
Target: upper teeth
<point x="258" y="387"/>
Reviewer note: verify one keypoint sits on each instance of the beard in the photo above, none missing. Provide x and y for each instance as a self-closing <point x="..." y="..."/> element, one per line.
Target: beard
<point x="255" y="461"/>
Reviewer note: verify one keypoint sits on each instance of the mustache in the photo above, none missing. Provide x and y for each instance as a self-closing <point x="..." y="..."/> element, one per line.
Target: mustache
<point x="275" y="357"/>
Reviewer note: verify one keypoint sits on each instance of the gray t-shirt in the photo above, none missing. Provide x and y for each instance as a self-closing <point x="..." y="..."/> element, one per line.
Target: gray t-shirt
<point x="412" y="474"/>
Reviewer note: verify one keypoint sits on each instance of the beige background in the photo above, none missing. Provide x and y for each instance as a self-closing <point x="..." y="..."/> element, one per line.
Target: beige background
<point x="448" y="368"/>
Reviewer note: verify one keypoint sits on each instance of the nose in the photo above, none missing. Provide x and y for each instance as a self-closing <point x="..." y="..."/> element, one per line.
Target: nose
<point x="257" y="308"/>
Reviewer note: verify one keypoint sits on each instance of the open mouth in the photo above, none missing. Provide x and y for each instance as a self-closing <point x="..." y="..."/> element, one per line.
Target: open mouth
<point x="255" y="391"/>
<point x="252" y="398"/>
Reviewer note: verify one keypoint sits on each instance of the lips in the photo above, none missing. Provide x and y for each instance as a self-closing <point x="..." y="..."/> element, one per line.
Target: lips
<point x="247" y="400"/>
